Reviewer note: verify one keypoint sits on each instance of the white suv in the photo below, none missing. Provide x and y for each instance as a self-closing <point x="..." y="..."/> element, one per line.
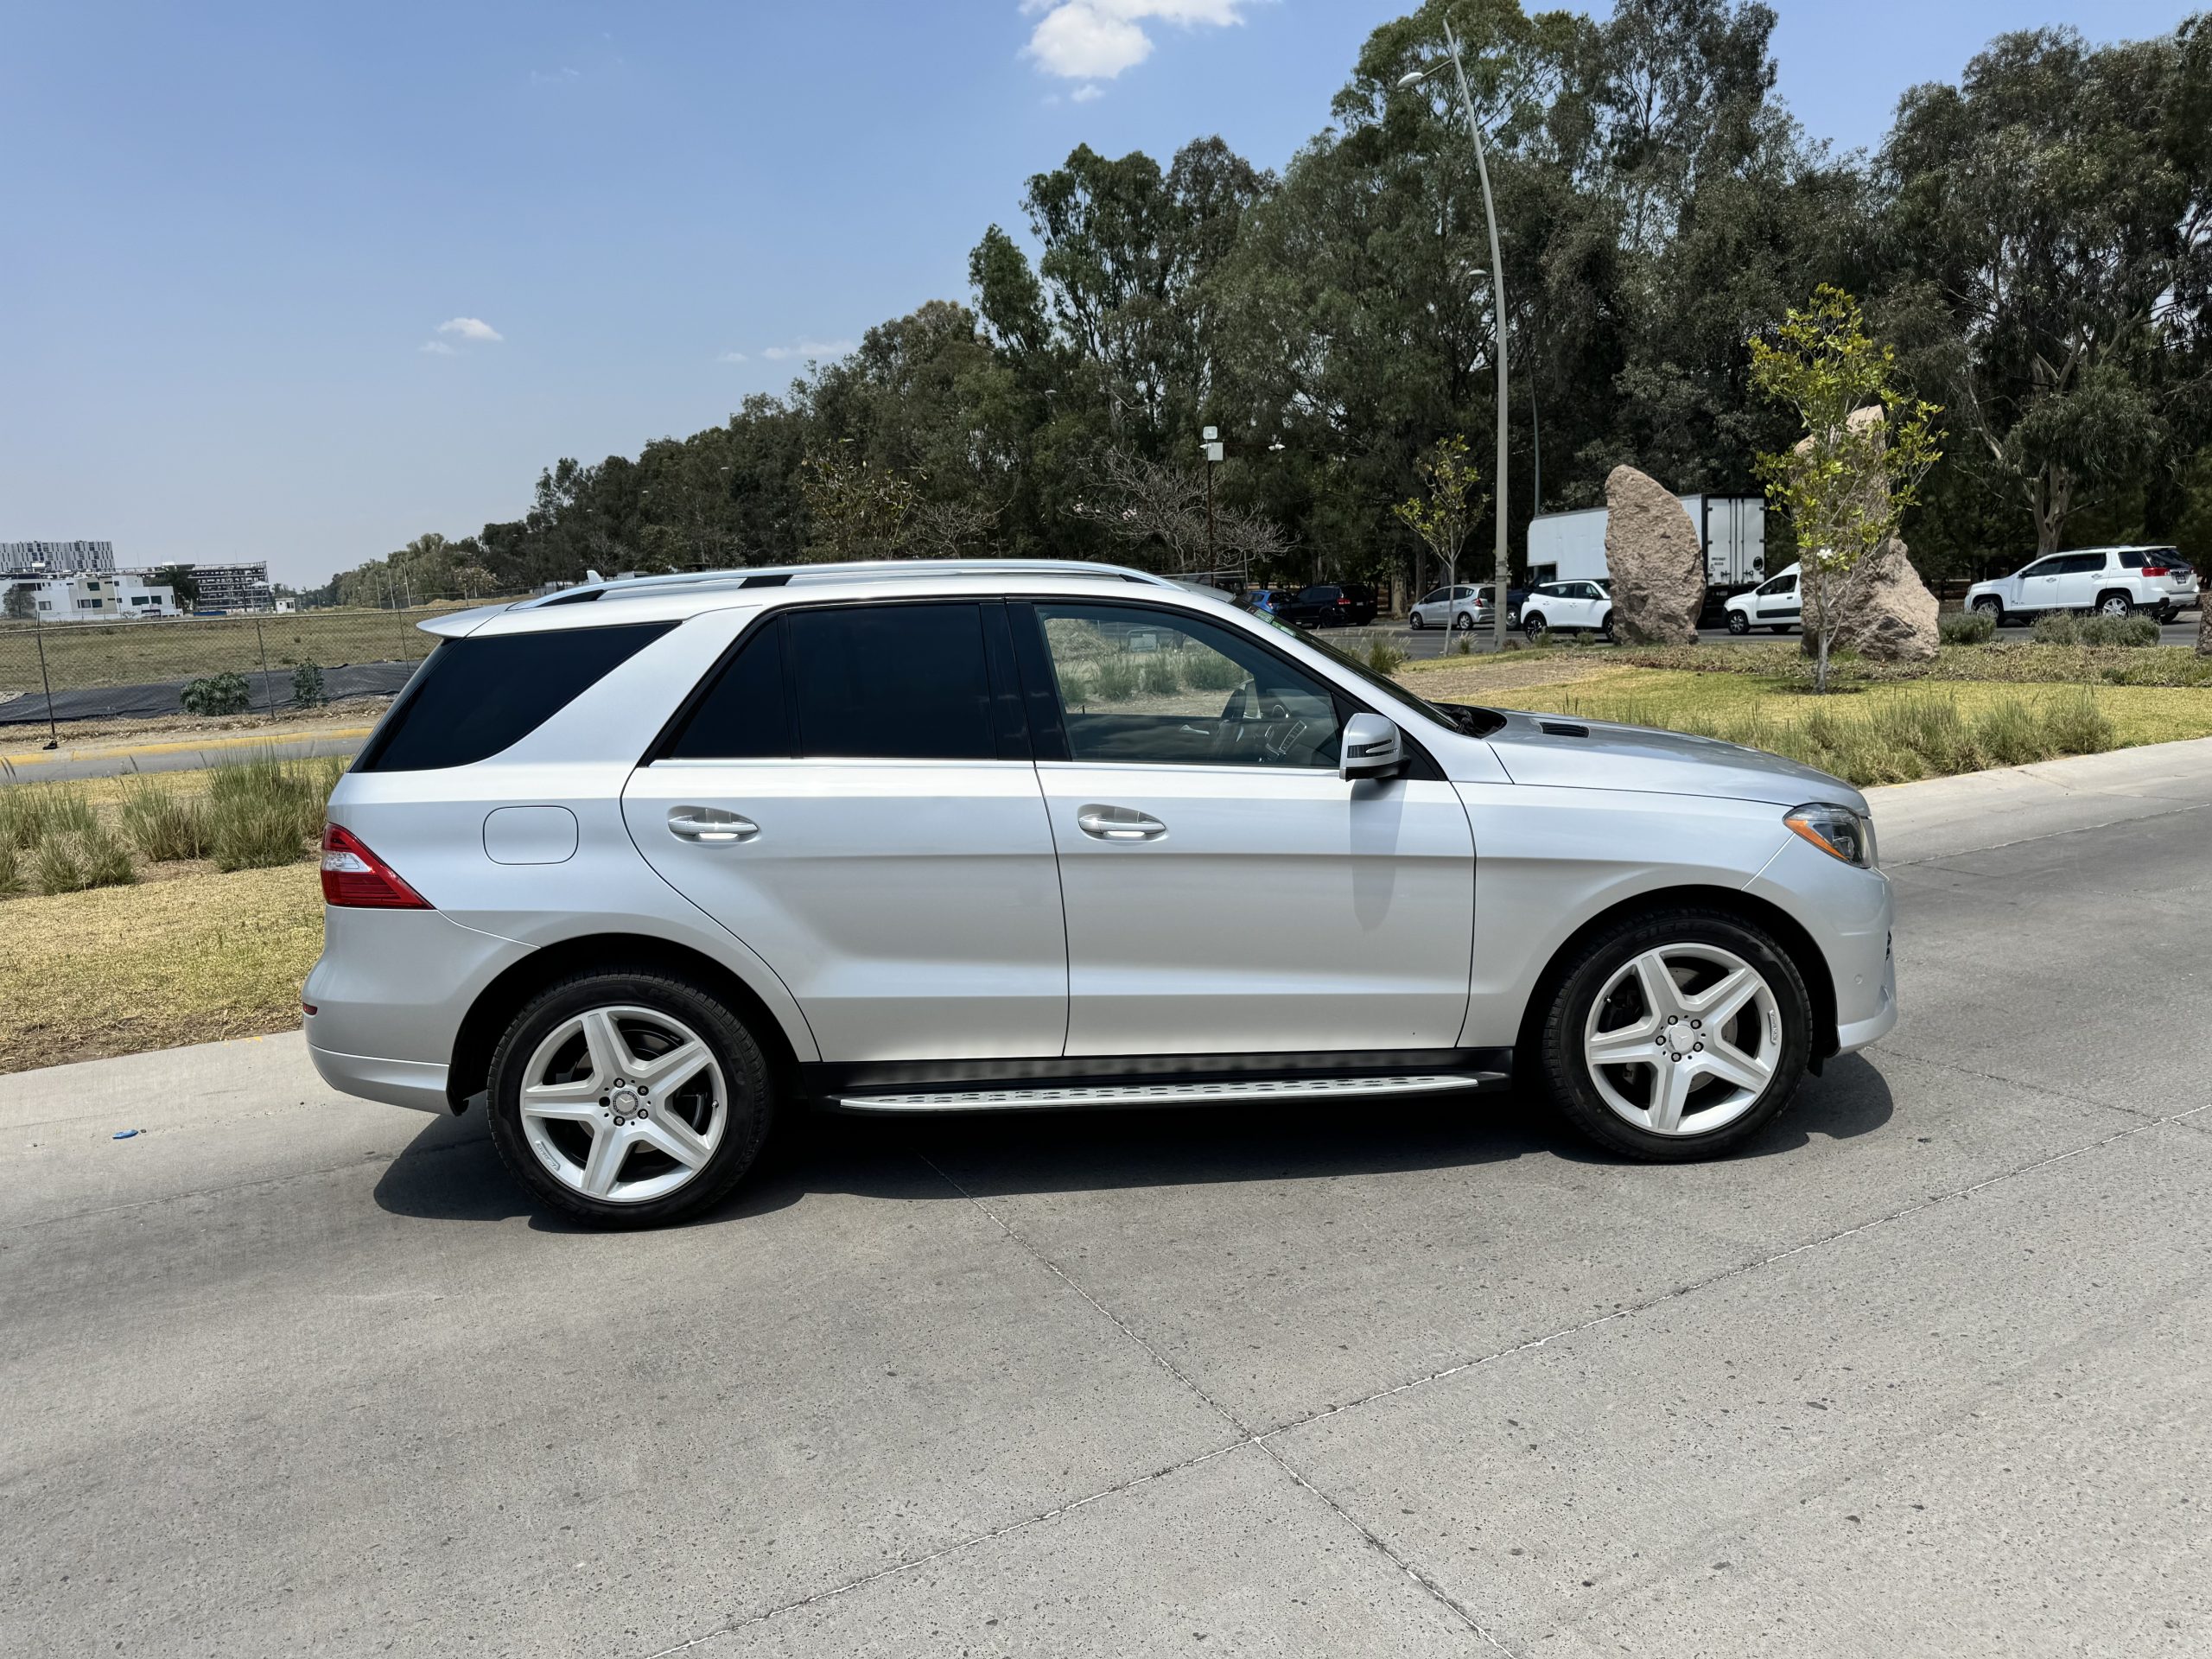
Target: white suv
<point x="1568" y="605"/>
<point x="2112" y="581"/>
<point x="633" y="868"/>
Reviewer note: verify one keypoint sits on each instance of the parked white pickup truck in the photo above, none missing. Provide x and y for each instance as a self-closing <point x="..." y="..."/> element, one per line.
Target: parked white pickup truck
<point x="2112" y="581"/>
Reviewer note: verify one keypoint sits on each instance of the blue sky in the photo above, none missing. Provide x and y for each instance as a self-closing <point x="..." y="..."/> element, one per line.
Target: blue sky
<point x="301" y="282"/>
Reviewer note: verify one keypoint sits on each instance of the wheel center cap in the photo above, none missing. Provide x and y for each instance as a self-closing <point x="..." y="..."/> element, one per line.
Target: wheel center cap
<point x="1681" y="1038"/>
<point x="626" y="1102"/>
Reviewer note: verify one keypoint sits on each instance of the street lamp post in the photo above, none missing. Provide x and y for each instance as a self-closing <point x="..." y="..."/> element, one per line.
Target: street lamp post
<point x="1497" y="301"/>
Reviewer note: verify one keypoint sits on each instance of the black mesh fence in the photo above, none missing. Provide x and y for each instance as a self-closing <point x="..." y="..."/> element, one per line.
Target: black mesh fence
<point x="269" y="663"/>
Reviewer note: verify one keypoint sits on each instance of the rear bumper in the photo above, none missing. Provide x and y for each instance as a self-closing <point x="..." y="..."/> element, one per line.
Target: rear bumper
<point x="415" y="1084"/>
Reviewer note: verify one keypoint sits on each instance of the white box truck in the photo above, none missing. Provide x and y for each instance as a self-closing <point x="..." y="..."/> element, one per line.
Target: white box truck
<point x="1571" y="546"/>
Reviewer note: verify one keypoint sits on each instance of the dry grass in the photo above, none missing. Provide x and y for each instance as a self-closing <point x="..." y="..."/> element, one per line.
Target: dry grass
<point x="120" y="970"/>
<point x="82" y="654"/>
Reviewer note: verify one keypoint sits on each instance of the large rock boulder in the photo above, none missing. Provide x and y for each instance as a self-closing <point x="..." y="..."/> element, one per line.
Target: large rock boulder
<point x="1656" y="560"/>
<point x="1887" y="613"/>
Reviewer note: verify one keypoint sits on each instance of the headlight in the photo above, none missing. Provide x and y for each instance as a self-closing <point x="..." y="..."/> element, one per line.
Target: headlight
<point x="1836" y="830"/>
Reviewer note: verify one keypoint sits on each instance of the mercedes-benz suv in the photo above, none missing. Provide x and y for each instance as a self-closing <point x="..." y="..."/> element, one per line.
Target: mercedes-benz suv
<point x="634" y="869"/>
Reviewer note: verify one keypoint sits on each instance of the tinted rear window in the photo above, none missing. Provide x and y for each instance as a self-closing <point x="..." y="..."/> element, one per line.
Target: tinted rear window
<point x="742" y="716"/>
<point x="892" y="682"/>
<point x="475" y="697"/>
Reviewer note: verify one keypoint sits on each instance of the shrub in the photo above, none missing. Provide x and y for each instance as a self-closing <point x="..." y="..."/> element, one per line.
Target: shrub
<point x="1209" y="670"/>
<point x="2076" y="723"/>
<point x="164" y="825"/>
<point x="2137" y="630"/>
<point x="70" y="860"/>
<point x="1385" y="658"/>
<point x="2009" y="734"/>
<point x="264" y="812"/>
<point x="1965" y="628"/>
<point x="1161" y="674"/>
<point x="1116" y="680"/>
<point x="251" y="835"/>
<point x="31" y="812"/>
<point x="306" y="684"/>
<point x="217" y="693"/>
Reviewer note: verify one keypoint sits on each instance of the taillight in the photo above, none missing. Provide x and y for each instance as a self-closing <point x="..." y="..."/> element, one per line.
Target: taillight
<point x="355" y="877"/>
<point x="2155" y="570"/>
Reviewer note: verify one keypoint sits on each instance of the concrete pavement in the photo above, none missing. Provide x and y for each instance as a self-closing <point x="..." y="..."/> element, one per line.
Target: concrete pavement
<point x="1923" y="1372"/>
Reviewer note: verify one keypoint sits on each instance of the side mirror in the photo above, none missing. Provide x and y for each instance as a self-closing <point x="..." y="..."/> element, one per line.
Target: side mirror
<point x="1373" y="748"/>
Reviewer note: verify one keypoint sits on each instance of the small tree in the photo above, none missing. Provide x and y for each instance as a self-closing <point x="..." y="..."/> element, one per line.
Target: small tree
<point x="1848" y="483"/>
<point x="20" y="606"/>
<point x="1446" y="514"/>
<point x="179" y="581"/>
<point x="856" y="510"/>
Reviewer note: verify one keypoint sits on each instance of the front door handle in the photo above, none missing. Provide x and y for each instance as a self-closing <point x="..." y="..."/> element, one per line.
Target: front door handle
<point x="1118" y="824"/>
<point x="710" y="826"/>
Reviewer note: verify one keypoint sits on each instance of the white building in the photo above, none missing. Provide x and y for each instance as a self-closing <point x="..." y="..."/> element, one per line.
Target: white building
<point x="86" y="598"/>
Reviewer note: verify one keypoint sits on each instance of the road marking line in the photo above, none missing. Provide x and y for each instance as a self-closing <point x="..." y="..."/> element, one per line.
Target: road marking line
<point x="51" y="757"/>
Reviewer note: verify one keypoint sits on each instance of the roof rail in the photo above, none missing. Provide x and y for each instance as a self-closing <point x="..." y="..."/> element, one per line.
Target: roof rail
<point x="779" y="575"/>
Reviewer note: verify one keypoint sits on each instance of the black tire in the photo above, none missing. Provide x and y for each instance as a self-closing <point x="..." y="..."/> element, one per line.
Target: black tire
<point x="1464" y="622"/>
<point x="1415" y="623"/>
<point x="1534" y="626"/>
<point x="1605" y="627"/>
<point x="1991" y="608"/>
<point x="1566" y="1075"/>
<point x="2115" y="604"/>
<point x="749" y="1109"/>
<point x="1738" y="623"/>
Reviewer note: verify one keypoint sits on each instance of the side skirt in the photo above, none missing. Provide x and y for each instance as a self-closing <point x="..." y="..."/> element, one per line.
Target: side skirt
<point x="1149" y="1080"/>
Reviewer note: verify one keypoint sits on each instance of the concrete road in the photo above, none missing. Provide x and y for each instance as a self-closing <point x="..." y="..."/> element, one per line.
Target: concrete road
<point x="115" y="757"/>
<point x="1925" y="1372"/>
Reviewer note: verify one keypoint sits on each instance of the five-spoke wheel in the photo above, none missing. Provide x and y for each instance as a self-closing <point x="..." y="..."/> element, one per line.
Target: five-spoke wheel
<point x="628" y="1097"/>
<point x="1675" y="1035"/>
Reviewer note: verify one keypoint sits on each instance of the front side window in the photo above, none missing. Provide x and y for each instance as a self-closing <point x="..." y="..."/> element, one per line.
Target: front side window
<point x="891" y="681"/>
<point x="2042" y="567"/>
<point x="1152" y="688"/>
<point x="1433" y="598"/>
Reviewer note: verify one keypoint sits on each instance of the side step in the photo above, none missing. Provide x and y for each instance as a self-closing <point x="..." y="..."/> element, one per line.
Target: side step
<point x="1166" y="1094"/>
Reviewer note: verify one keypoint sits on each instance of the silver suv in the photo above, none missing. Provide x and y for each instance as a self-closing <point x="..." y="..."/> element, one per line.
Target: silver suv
<point x="636" y="867"/>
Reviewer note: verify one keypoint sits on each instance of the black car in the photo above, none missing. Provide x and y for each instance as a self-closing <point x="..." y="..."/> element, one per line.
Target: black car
<point x="1328" y="605"/>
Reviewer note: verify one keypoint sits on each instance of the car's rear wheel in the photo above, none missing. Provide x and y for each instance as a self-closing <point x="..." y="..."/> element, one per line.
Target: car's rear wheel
<point x="1738" y="623"/>
<point x="1677" y="1036"/>
<point x="2116" y="605"/>
<point x="628" y="1098"/>
<point x="1605" y="627"/>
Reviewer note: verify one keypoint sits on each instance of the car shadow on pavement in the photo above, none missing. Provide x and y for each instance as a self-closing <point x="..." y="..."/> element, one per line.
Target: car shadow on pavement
<point x="450" y="1173"/>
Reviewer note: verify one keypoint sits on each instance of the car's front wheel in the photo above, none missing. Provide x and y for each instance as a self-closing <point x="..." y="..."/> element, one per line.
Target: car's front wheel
<point x="626" y="1098"/>
<point x="1534" y="624"/>
<point x="1415" y="622"/>
<point x="1676" y="1035"/>
<point x="1738" y="622"/>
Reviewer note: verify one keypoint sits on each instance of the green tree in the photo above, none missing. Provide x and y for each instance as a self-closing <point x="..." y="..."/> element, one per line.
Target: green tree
<point x="21" y="604"/>
<point x="1446" y="511"/>
<point x="2052" y="215"/>
<point x="179" y="579"/>
<point x="855" y="509"/>
<point x="1866" y="445"/>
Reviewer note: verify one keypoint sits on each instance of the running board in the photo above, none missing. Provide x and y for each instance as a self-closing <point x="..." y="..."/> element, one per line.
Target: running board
<point x="1166" y="1094"/>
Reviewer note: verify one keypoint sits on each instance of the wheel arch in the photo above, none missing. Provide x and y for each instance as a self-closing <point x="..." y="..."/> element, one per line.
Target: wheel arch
<point x="1785" y="930"/>
<point x="498" y="1003"/>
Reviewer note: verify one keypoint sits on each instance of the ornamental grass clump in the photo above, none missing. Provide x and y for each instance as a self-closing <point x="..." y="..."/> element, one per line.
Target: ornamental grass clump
<point x="165" y="824"/>
<point x="72" y="860"/>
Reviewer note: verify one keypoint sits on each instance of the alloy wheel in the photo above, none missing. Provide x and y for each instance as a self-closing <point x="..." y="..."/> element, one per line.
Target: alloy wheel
<point x="623" y="1105"/>
<point x="1683" y="1039"/>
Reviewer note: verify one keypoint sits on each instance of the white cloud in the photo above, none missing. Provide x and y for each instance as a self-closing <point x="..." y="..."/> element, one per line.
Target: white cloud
<point x="808" y="348"/>
<point x="1087" y="91"/>
<point x="1096" y="40"/>
<point x="470" y="328"/>
<point x="436" y="348"/>
<point x="733" y="357"/>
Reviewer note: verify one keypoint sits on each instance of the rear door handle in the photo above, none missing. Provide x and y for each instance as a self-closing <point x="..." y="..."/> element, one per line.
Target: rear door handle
<point x="1118" y="824"/>
<point x="710" y="826"/>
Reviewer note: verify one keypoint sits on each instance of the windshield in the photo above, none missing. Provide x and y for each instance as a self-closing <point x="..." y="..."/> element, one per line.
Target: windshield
<point x="1474" y="721"/>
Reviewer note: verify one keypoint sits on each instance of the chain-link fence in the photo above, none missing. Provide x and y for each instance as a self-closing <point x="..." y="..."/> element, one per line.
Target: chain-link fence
<point x="271" y="663"/>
